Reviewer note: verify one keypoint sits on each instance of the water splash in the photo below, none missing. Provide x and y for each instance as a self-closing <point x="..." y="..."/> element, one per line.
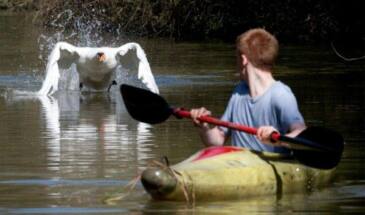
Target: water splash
<point x="80" y="30"/>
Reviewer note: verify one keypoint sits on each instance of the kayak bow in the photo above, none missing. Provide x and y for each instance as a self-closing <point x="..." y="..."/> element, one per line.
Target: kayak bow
<point x="219" y="173"/>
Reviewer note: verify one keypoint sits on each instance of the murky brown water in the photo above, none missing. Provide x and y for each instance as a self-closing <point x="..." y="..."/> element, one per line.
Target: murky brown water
<point x="68" y="153"/>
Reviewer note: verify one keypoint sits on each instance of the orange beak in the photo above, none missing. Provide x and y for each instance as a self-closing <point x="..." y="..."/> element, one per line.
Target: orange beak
<point x="101" y="56"/>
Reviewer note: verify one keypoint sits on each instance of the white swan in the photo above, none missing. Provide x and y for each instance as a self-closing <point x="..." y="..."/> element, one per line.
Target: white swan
<point x="96" y="66"/>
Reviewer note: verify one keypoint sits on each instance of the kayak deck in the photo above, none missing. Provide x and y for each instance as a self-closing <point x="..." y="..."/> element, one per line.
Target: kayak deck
<point x="219" y="173"/>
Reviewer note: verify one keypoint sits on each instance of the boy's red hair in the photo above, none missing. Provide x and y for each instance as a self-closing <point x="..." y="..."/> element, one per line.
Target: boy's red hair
<point x="260" y="47"/>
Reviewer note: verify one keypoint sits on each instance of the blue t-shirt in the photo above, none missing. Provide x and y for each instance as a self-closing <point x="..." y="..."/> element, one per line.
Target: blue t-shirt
<point x="277" y="107"/>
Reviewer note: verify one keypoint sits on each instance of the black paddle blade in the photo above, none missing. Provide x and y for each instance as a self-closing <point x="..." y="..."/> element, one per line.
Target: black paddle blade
<point x="321" y="159"/>
<point x="144" y="105"/>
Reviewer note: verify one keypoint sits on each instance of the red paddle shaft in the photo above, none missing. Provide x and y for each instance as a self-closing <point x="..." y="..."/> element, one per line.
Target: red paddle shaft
<point x="296" y="142"/>
<point x="186" y="114"/>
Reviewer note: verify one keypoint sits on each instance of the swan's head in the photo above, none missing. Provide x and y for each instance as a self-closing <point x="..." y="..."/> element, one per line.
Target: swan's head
<point x="101" y="56"/>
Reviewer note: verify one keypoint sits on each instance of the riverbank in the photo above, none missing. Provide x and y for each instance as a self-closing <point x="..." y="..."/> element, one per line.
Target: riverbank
<point x="19" y="5"/>
<point x="291" y="21"/>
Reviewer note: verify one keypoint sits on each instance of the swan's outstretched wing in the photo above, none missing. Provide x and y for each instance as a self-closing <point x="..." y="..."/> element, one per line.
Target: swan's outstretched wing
<point x="132" y="57"/>
<point x="62" y="55"/>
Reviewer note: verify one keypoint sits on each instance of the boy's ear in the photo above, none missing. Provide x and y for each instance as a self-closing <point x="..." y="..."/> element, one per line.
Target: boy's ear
<point x="244" y="60"/>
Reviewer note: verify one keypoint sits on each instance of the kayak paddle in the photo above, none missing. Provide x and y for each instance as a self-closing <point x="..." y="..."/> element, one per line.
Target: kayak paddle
<point x="315" y="146"/>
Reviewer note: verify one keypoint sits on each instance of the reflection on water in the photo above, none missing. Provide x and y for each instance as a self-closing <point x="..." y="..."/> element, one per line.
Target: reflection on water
<point x="51" y="111"/>
<point x="68" y="152"/>
<point x="83" y="136"/>
<point x="110" y="133"/>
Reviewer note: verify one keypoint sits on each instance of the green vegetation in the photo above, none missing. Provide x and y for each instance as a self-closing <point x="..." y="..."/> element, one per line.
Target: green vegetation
<point x="303" y="21"/>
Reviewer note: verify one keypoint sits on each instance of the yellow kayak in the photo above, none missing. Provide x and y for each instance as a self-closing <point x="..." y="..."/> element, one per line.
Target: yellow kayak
<point x="226" y="172"/>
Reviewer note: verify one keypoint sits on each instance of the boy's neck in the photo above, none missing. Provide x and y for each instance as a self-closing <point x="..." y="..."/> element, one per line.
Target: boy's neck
<point x="258" y="80"/>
